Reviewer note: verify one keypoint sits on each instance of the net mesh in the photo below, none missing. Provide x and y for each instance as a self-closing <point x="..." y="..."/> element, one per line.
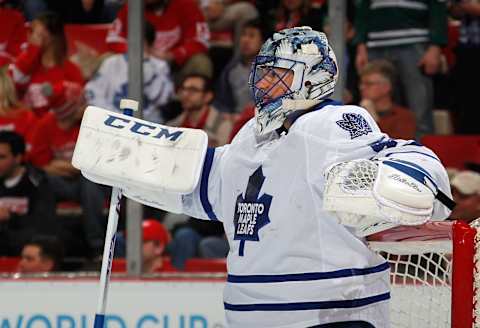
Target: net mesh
<point x="357" y="177"/>
<point x="420" y="275"/>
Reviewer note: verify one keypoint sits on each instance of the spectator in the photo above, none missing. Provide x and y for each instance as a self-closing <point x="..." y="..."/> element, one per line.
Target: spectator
<point x="13" y="116"/>
<point x="41" y="254"/>
<point x="467" y="52"/>
<point x="181" y="38"/>
<point x="196" y="95"/>
<point x="110" y="84"/>
<point x="27" y="205"/>
<point x="43" y="63"/>
<point x="466" y="193"/>
<point x="54" y="140"/>
<point x="225" y="21"/>
<point x="377" y="79"/>
<point x="13" y="33"/>
<point x="410" y="34"/>
<point x="155" y="239"/>
<point x="232" y="93"/>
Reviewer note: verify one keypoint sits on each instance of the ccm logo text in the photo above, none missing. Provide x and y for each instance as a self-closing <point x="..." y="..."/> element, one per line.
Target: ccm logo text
<point x="142" y="128"/>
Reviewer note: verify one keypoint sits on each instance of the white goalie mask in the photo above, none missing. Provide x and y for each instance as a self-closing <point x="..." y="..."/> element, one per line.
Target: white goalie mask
<point x="303" y="53"/>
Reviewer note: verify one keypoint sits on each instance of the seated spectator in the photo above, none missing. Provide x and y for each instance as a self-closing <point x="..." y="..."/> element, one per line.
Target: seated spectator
<point x="155" y="240"/>
<point x="232" y="92"/>
<point x="27" y="204"/>
<point x="43" y="63"/>
<point x="181" y="34"/>
<point x="376" y="84"/>
<point x="110" y="84"/>
<point x="466" y="193"/>
<point x="196" y="95"/>
<point x="41" y="254"/>
<point x="54" y="140"/>
<point x="13" y="33"/>
<point x="13" y="116"/>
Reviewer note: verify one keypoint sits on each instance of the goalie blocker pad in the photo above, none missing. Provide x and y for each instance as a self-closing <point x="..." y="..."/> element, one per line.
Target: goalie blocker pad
<point x="123" y="151"/>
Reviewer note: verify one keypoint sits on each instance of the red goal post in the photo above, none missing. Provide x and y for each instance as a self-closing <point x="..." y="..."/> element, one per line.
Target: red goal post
<point x="434" y="274"/>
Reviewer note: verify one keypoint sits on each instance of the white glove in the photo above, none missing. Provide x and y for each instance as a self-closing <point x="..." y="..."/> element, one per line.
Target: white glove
<point x="376" y="195"/>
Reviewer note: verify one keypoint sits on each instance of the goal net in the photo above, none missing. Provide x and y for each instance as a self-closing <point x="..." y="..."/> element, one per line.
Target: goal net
<point x="433" y="274"/>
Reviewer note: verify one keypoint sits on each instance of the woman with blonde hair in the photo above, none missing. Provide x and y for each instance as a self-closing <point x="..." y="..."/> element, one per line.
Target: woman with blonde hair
<point x="14" y="116"/>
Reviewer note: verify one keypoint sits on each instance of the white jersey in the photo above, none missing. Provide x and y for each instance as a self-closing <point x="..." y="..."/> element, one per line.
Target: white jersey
<point x="110" y="85"/>
<point x="290" y="263"/>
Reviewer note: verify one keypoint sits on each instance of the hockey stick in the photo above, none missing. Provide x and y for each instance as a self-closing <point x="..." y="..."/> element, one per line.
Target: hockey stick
<point x="128" y="106"/>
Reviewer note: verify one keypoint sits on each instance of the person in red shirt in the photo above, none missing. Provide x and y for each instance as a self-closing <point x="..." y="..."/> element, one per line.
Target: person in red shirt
<point x="54" y="140"/>
<point x="13" y="116"/>
<point x="13" y="33"/>
<point x="376" y="81"/>
<point x="182" y="34"/>
<point x="43" y="62"/>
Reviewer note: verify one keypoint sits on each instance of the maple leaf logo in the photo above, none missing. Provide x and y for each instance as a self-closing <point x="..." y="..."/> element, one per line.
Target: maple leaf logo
<point x="355" y="124"/>
<point x="251" y="212"/>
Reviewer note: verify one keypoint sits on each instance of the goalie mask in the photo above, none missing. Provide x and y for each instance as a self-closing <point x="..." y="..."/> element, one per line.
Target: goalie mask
<point x="294" y="69"/>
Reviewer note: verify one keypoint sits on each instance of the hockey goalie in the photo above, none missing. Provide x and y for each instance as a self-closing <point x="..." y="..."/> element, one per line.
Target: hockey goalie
<point x="298" y="188"/>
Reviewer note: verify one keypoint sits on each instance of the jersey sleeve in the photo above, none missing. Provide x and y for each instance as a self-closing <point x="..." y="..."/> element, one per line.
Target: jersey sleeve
<point x="205" y="201"/>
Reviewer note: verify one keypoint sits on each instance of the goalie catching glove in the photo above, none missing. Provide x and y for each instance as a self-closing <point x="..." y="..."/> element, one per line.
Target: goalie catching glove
<point x="374" y="195"/>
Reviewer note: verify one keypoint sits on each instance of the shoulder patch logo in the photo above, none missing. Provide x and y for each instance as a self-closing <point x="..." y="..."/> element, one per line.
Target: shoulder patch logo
<point x="355" y="124"/>
<point x="251" y="212"/>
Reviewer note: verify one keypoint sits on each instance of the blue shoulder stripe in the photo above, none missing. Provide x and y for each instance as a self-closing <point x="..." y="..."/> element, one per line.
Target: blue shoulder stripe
<point x="207" y="166"/>
<point x="301" y="306"/>
<point x="308" y="276"/>
<point x="412" y="152"/>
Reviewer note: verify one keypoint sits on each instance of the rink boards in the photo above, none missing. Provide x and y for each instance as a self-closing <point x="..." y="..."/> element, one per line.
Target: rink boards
<point x="71" y="303"/>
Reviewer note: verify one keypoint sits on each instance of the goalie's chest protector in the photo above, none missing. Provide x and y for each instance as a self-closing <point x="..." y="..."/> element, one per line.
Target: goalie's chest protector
<point x="283" y="248"/>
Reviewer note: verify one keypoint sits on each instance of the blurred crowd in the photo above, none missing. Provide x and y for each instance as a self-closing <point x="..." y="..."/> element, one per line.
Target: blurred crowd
<point x="407" y="62"/>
